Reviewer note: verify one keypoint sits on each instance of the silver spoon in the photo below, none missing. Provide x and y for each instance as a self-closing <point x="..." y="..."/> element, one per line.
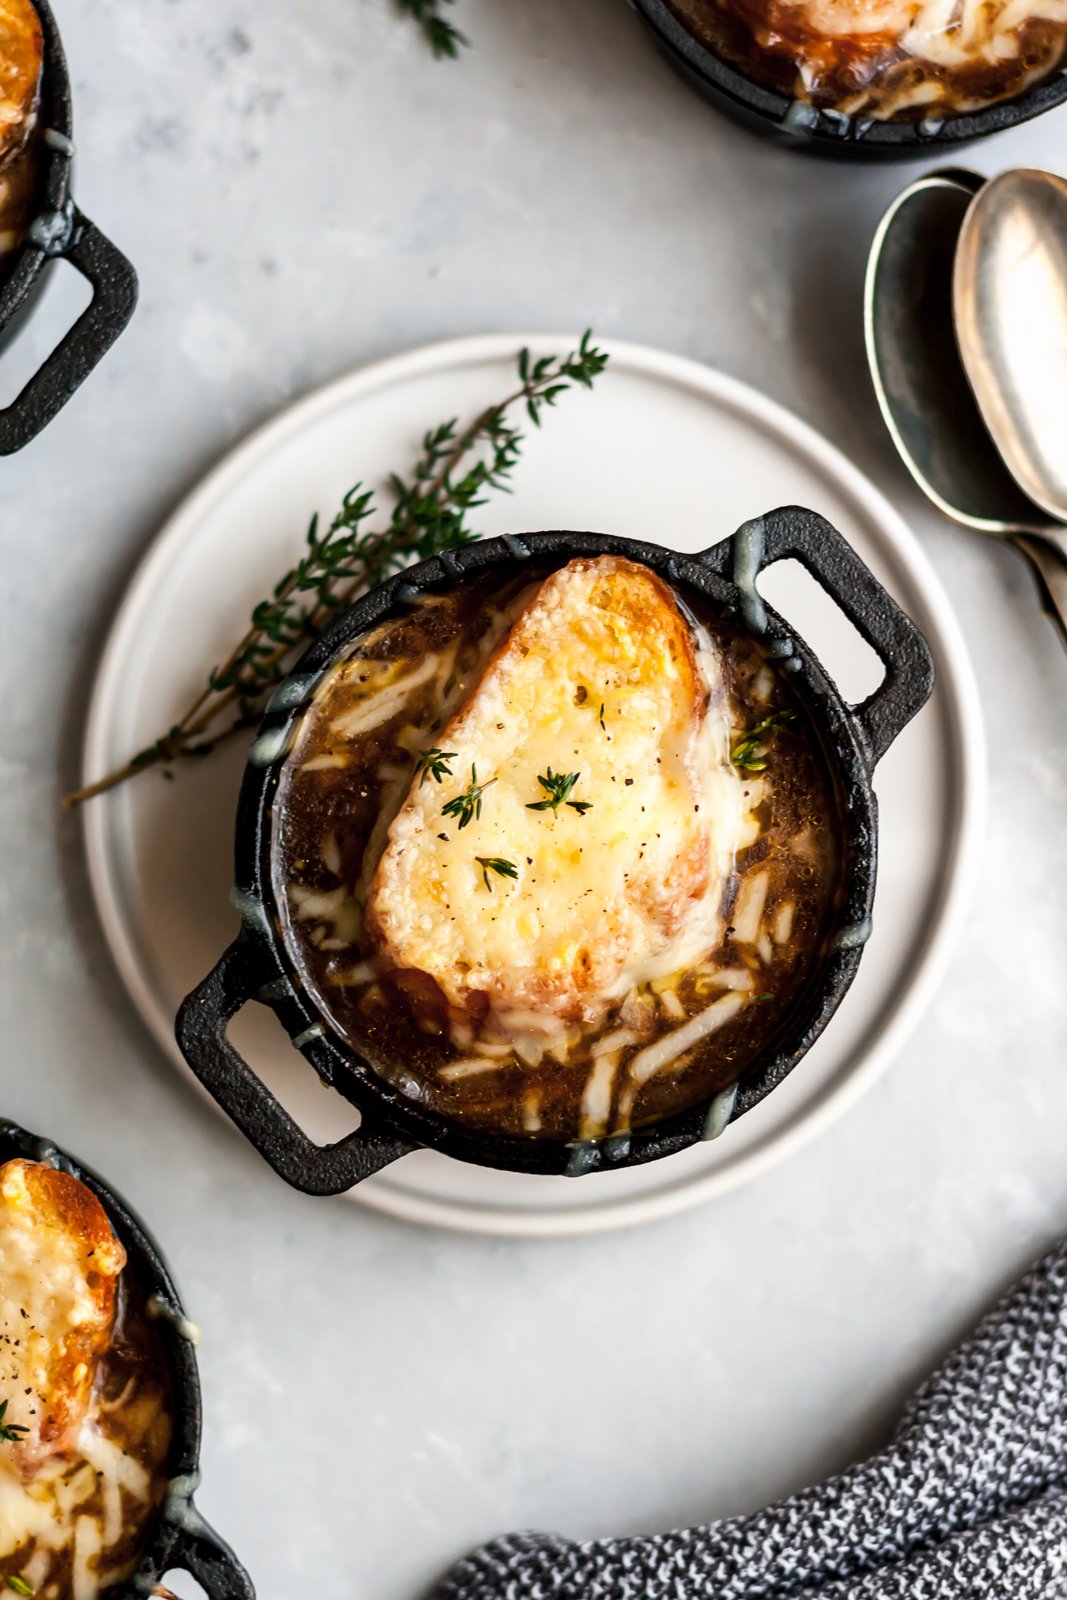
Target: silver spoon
<point x="1010" y="296"/>
<point x="923" y="391"/>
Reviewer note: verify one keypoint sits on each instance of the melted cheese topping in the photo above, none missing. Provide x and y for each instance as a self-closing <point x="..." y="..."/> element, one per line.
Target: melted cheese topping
<point x="58" y="1263"/>
<point x="64" y="1484"/>
<point x="600" y="675"/>
<point x="73" y="1508"/>
<point x="956" y="38"/>
<point x="893" y="58"/>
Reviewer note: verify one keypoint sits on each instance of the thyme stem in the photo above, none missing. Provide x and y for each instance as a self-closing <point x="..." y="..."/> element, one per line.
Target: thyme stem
<point x="452" y="477"/>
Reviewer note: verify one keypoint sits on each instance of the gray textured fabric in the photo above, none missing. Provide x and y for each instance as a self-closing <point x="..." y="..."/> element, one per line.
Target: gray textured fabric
<point x="968" y="1502"/>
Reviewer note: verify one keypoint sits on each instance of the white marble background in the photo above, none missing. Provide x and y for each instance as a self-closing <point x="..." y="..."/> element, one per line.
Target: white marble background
<point x="302" y="189"/>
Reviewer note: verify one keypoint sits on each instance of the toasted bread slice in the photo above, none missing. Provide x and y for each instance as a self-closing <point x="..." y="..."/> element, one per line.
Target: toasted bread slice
<point x="621" y="878"/>
<point x="21" y="60"/>
<point x="59" y="1262"/>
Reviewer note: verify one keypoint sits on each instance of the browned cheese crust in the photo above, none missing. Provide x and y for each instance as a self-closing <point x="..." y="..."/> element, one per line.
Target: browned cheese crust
<point x="21" y="61"/>
<point x="599" y="676"/>
<point x="59" y="1262"/>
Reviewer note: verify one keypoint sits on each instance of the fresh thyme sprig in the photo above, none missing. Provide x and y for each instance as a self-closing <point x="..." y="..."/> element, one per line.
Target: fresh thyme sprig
<point x="498" y="864"/>
<point x="10" y="1432"/>
<point x="434" y="764"/>
<point x="457" y="469"/>
<point x="468" y="805"/>
<point x="558" y="786"/>
<point x="750" y="752"/>
<point x="443" y="37"/>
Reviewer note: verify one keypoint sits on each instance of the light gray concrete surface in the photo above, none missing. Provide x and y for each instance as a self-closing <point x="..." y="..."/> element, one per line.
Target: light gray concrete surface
<point x="302" y="189"/>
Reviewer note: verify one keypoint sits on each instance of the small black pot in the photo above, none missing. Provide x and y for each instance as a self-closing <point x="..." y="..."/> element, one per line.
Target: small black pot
<point x="259" y="966"/>
<point x="831" y="133"/>
<point x="60" y="233"/>
<point x="179" y="1537"/>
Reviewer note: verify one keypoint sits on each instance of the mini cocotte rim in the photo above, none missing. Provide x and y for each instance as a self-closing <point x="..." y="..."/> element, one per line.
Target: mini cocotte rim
<point x="827" y="132"/>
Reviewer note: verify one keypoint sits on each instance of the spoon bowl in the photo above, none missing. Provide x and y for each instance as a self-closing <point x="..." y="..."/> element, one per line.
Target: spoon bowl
<point x="923" y="392"/>
<point x="1010" y="297"/>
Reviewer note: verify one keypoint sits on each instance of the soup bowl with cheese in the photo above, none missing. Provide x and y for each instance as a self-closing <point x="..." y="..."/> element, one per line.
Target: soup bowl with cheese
<point x="890" y="79"/>
<point x="99" y="1395"/>
<point x="556" y="852"/>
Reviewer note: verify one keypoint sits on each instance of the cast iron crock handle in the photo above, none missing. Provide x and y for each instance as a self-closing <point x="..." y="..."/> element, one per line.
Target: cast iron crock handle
<point x="114" y="285"/>
<point x="832" y="562"/>
<point x="209" y="1559"/>
<point x="201" y="1031"/>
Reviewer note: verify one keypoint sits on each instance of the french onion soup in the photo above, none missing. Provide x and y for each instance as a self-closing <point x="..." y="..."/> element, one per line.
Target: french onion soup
<point x="885" y="59"/>
<point x="21" y="64"/>
<point x="556" y="856"/>
<point x="85" y="1412"/>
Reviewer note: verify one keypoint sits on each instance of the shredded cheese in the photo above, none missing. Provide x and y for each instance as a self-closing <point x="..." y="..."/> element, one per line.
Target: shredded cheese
<point x="664" y="1052"/>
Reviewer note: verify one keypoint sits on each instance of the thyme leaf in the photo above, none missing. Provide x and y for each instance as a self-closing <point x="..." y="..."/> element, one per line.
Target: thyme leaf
<point x="557" y="786"/>
<point x="10" y="1432"/>
<point x="17" y="1582"/>
<point x="750" y="751"/>
<point x="457" y="469"/>
<point x="468" y="805"/>
<point x="434" y="764"/>
<point x="443" y="37"/>
<point x="498" y="864"/>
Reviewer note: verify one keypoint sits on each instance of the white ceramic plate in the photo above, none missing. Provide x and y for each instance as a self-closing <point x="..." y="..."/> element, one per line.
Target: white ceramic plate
<point x="666" y="450"/>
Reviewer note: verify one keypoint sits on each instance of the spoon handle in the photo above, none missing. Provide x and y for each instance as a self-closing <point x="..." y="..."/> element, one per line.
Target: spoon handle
<point x="1053" y="537"/>
<point x="1050" y="570"/>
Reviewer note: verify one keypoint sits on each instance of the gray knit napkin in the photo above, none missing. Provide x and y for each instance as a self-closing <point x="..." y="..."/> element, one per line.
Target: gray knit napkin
<point x="969" y="1501"/>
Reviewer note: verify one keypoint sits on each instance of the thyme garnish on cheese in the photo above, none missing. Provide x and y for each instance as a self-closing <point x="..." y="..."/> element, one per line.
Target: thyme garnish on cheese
<point x="557" y="786"/>
<point x="434" y="764"/>
<point x="10" y="1432"/>
<point x="498" y="864"/>
<point x="468" y="805"/>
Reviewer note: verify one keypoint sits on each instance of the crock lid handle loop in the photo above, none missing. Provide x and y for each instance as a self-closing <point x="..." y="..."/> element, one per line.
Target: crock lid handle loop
<point x="201" y="1032"/>
<point x="114" y="285"/>
<point x="209" y="1559"/>
<point x="793" y="531"/>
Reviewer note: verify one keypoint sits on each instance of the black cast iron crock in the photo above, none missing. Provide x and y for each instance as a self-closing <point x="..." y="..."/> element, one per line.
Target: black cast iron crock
<point x="832" y="133"/>
<point x="259" y="966"/>
<point x="179" y="1537"/>
<point x="60" y="232"/>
